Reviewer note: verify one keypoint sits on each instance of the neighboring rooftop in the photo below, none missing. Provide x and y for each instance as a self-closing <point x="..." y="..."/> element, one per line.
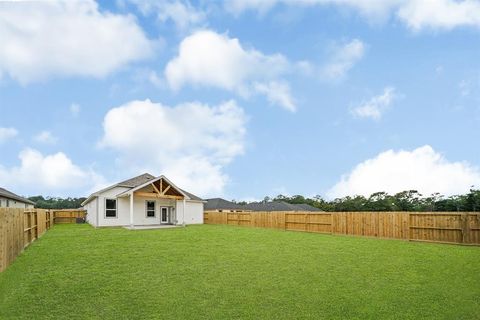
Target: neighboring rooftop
<point x="307" y="207"/>
<point x="278" y="206"/>
<point x="10" y="195"/>
<point x="221" y="204"/>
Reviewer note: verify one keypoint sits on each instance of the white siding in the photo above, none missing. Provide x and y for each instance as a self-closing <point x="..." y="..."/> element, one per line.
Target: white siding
<point x="14" y="204"/>
<point x="193" y="212"/>
<point x="122" y="218"/>
<point x="91" y="208"/>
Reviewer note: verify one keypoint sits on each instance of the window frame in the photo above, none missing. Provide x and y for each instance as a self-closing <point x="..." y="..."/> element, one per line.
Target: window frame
<point x="154" y="209"/>
<point x="116" y="208"/>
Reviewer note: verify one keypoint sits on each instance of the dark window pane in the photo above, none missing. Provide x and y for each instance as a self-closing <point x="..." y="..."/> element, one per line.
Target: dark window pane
<point x="111" y="204"/>
<point x="110" y="213"/>
<point x="150" y="205"/>
<point x="150" y="213"/>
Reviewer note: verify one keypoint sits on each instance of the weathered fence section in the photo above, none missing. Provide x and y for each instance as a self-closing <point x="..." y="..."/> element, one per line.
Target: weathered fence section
<point x="20" y="227"/>
<point x="444" y="227"/>
<point x="68" y="215"/>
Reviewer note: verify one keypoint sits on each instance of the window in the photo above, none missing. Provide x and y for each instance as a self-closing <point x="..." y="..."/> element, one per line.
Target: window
<point x="150" y="205"/>
<point x="110" y="208"/>
<point x="8" y="203"/>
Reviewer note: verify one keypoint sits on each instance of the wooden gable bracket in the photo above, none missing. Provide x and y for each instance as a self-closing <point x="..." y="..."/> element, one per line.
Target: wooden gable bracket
<point x="166" y="189"/>
<point x="156" y="189"/>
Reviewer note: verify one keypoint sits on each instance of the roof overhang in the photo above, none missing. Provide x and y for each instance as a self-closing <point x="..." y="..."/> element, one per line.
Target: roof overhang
<point x="157" y="193"/>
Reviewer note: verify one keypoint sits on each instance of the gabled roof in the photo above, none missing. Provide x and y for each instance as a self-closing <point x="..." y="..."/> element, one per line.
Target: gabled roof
<point x="192" y="196"/>
<point x="149" y="181"/>
<point x="221" y="204"/>
<point x="139" y="182"/>
<point x="10" y="195"/>
<point x="136" y="181"/>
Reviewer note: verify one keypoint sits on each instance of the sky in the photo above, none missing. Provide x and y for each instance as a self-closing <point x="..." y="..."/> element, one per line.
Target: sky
<point x="241" y="99"/>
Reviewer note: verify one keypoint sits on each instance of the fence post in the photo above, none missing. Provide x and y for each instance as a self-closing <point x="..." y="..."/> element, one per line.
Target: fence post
<point x="465" y="228"/>
<point x="36" y="223"/>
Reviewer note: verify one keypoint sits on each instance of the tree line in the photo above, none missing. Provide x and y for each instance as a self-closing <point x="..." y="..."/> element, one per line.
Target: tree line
<point x="56" y="203"/>
<point x="410" y="200"/>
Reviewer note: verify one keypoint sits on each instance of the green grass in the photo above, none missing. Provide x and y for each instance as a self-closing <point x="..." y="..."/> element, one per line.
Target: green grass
<point x="222" y="272"/>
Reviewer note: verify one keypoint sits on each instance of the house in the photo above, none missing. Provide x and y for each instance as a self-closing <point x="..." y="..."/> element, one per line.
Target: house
<point x="221" y="205"/>
<point x="9" y="199"/>
<point x="144" y="200"/>
<point x="278" y="206"/>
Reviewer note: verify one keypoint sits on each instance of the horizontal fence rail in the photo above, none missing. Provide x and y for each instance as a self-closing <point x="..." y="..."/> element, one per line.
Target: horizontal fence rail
<point x="441" y="227"/>
<point x="20" y="227"/>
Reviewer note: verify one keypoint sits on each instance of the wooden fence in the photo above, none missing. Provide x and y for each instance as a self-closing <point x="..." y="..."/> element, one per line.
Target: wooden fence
<point x="442" y="227"/>
<point x="68" y="215"/>
<point x="20" y="227"/>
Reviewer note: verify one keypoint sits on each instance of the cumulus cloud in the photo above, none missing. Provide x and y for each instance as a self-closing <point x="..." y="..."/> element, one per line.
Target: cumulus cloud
<point x="415" y="14"/>
<point x="45" y="137"/>
<point x="422" y="169"/>
<point x="343" y="59"/>
<point x="440" y="14"/>
<point x="376" y="106"/>
<point x="53" y="174"/>
<point x="66" y="38"/>
<point x="207" y="58"/>
<point x="190" y="143"/>
<point x="181" y="13"/>
<point x="7" y="134"/>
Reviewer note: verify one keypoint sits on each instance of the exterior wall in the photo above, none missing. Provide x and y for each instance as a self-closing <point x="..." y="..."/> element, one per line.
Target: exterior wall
<point x="14" y="204"/>
<point x="193" y="212"/>
<point x="122" y="218"/>
<point x="91" y="208"/>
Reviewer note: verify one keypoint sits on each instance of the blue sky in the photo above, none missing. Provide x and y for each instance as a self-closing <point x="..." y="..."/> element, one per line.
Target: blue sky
<point x="241" y="99"/>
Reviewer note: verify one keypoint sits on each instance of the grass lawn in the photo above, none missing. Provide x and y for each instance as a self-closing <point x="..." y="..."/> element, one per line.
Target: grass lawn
<point x="224" y="272"/>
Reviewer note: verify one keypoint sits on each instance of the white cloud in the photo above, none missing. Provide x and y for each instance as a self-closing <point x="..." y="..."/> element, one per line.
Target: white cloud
<point x="376" y="106"/>
<point x="66" y="38"/>
<point x="277" y="93"/>
<point x="45" y="137"/>
<point x="422" y="169"/>
<point x="190" y="143"/>
<point x="53" y="174"/>
<point x="75" y="109"/>
<point x="181" y="13"/>
<point x="415" y="14"/>
<point x="343" y="59"/>
<point x="7" y="134"/>
<point x="440" y="14"/>
<point x="206" y="58"/>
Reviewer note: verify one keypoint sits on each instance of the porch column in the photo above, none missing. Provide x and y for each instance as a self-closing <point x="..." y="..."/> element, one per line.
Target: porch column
<point x="183" y="212"/>
<point x="131" y="209"/>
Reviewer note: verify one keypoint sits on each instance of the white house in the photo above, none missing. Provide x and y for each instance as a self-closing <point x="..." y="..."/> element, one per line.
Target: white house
<point x="9" y="199"/>
<point x="143" y="201"/>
